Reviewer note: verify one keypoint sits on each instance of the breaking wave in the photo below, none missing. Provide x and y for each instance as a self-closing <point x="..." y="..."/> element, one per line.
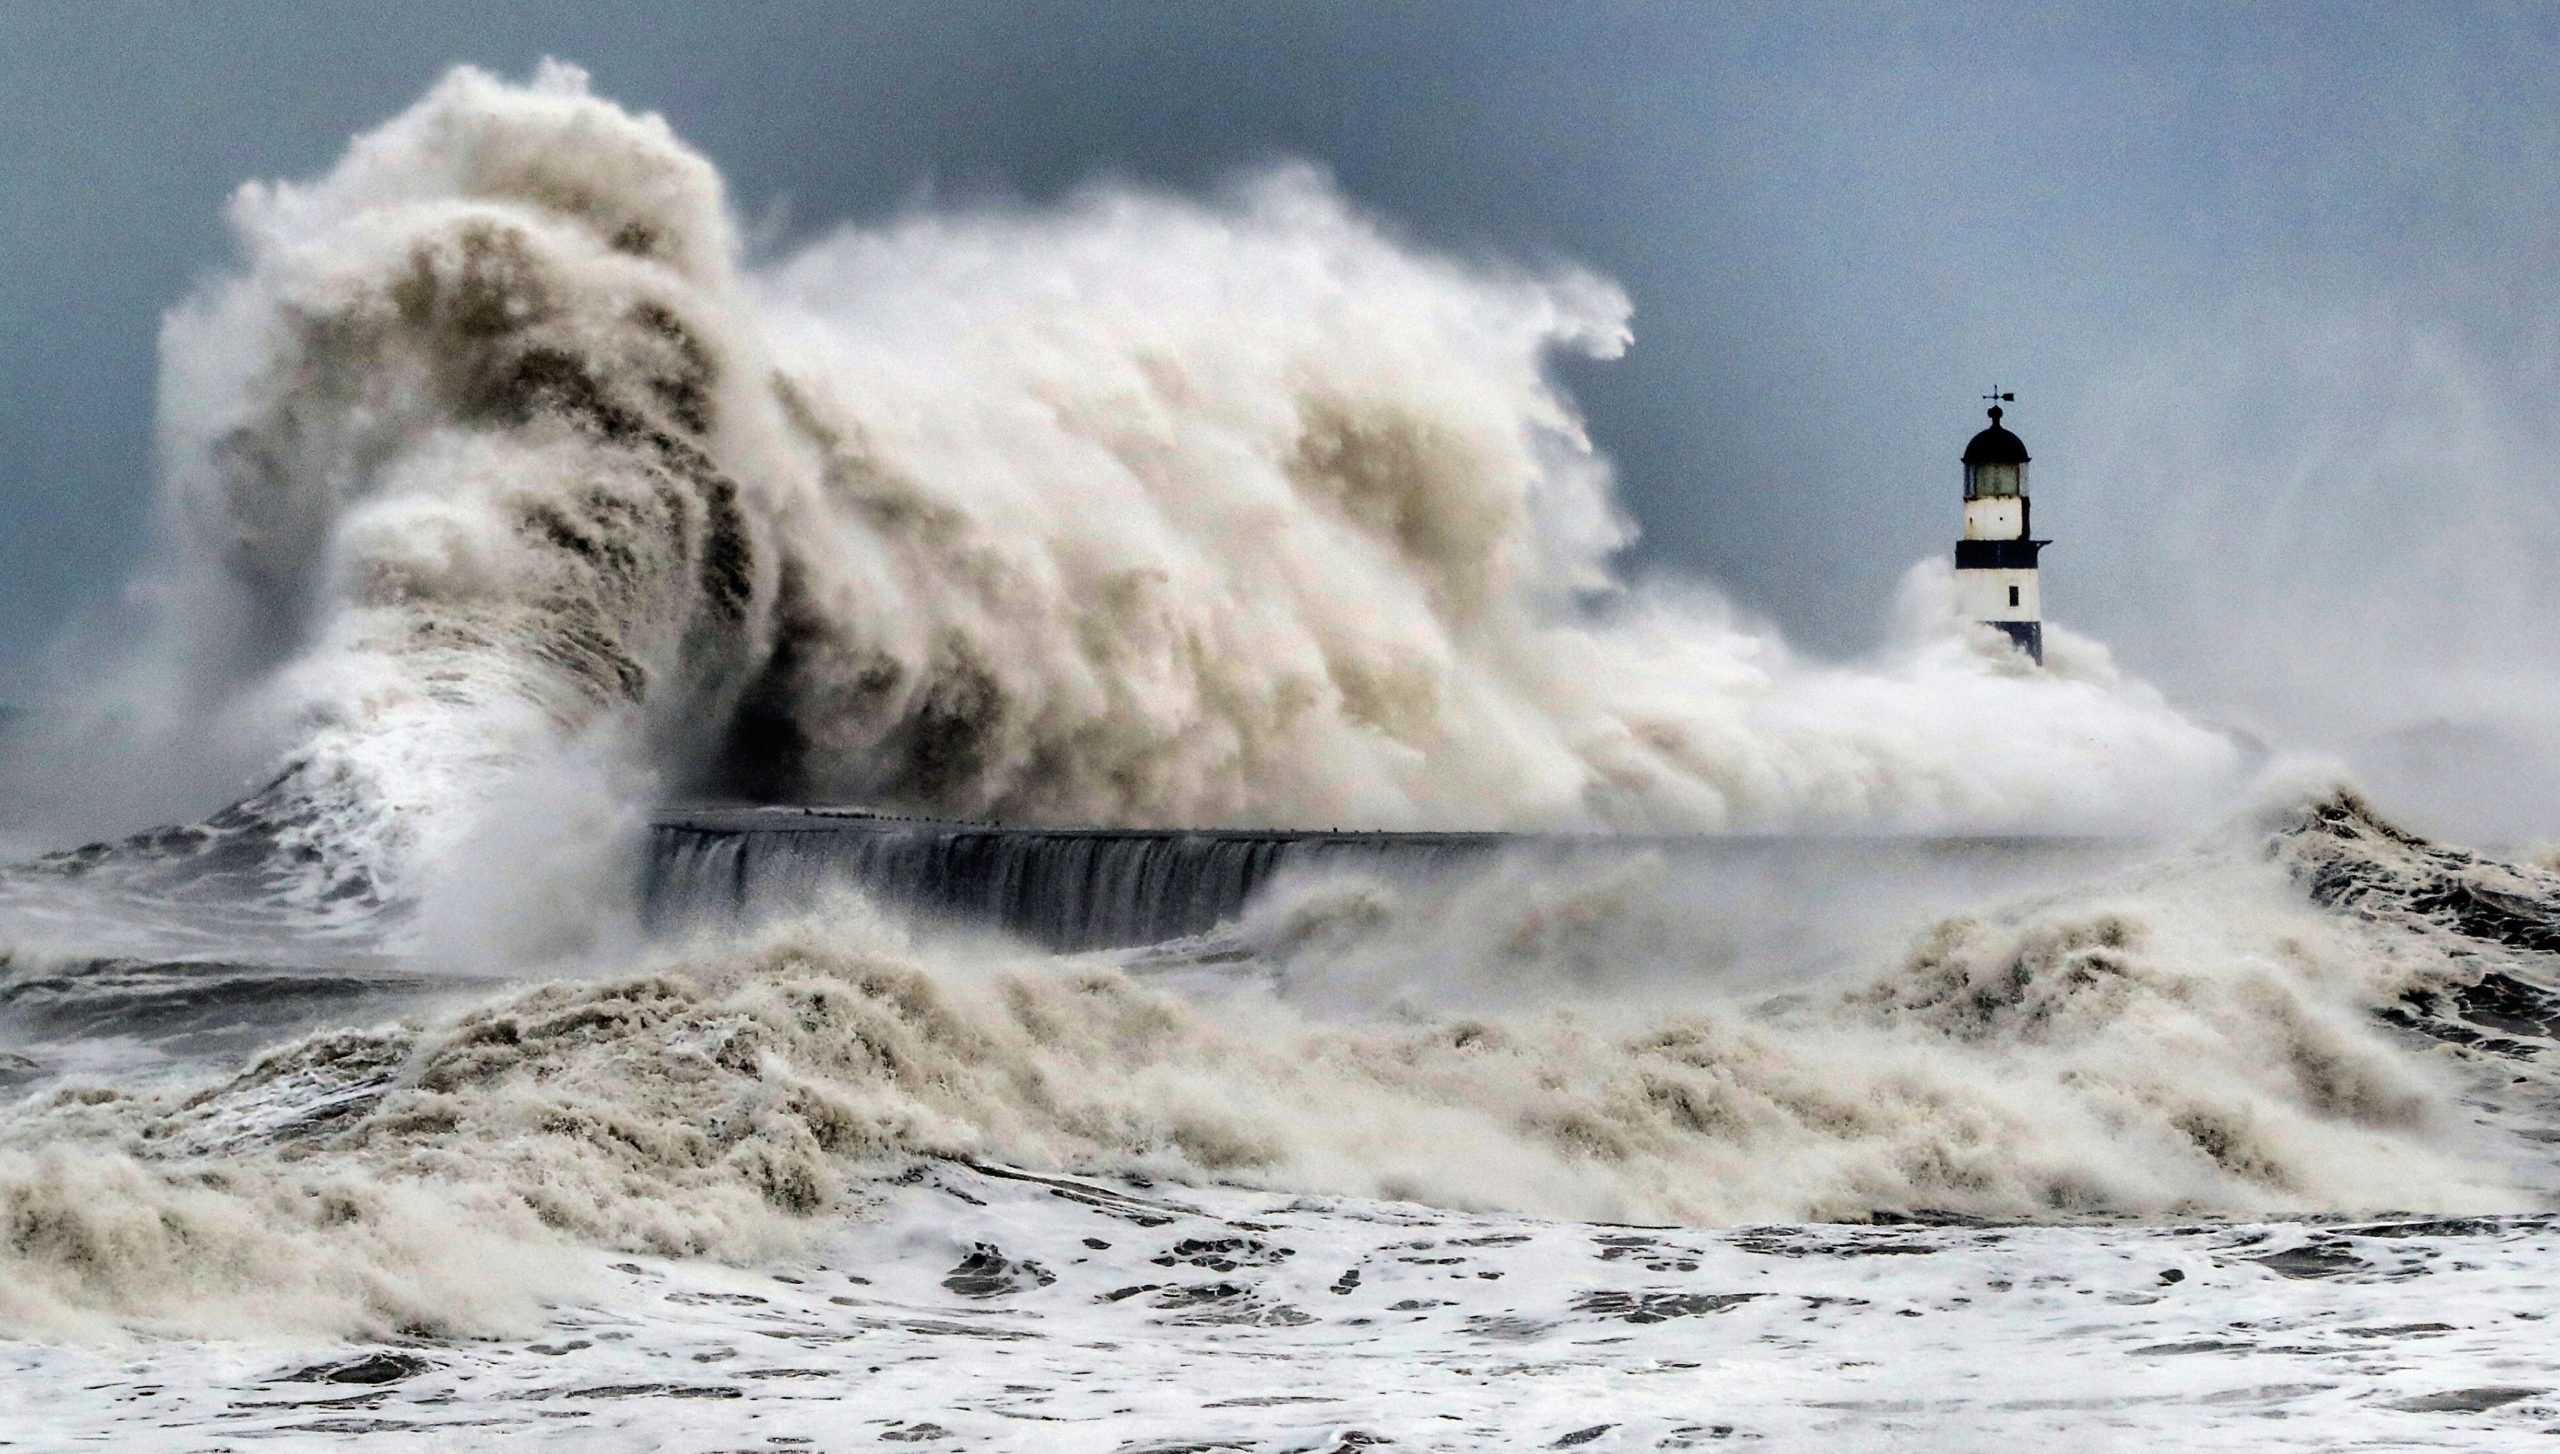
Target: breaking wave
<point x="496" y="463"/>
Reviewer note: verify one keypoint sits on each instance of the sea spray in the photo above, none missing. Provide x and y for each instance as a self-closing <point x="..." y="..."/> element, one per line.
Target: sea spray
<point x="494" y="449"/>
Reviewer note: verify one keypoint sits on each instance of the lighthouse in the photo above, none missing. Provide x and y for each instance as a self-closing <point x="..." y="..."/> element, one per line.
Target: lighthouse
<point x="1996" y="559"/>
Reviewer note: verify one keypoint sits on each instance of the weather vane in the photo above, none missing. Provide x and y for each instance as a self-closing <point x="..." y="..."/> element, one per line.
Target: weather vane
<point x="1996" y="397"/>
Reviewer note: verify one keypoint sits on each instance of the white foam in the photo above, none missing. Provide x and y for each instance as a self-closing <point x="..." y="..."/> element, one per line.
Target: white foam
<point x="492" y="451"/>
<point x="1106" y="1317"/>
<point x="2182" y="1039"/>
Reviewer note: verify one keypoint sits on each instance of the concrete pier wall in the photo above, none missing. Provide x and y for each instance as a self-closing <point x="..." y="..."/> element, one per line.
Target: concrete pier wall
<point x="1084" y="888"/>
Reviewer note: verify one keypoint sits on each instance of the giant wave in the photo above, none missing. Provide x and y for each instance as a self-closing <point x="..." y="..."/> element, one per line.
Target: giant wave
<point x="497" y="460"/>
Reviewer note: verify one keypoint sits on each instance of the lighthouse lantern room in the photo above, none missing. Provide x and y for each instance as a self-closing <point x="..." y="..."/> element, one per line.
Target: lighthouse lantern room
<point x="1996" y="559"/>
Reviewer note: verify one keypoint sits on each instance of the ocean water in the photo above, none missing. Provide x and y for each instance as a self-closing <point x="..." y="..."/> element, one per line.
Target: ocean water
<point x="1317" y="960"/>
<point x="1842" y="1144"/>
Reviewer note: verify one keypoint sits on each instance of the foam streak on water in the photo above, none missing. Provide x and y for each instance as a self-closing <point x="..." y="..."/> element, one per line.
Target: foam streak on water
<point x="987" y="1310"/>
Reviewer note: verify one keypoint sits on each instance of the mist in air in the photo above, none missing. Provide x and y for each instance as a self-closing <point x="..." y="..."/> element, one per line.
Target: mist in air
<point x="497" y="456"/>
<point x="2282" y="369"/>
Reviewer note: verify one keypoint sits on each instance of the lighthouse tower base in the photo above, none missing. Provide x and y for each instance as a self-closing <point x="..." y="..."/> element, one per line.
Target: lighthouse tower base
<point x="2028" y="634"/>
<point x="1997" y="584"/>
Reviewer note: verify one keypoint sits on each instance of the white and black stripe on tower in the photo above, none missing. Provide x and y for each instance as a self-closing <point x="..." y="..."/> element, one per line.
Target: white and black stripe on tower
<point x="1996" y="559"/>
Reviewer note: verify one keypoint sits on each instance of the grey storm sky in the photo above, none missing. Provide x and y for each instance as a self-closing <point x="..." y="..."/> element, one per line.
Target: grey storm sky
<point x="2195" y="239"/>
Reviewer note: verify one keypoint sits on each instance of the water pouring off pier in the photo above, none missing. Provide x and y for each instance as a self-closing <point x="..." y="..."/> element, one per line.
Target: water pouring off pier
<point x="1091" y="887"/>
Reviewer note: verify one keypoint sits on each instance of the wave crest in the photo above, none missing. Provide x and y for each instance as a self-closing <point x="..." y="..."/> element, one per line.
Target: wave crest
<point x="1143" y="510"/>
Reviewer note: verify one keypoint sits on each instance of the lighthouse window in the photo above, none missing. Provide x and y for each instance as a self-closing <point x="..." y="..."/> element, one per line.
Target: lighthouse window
<point x="2013" y="595"/>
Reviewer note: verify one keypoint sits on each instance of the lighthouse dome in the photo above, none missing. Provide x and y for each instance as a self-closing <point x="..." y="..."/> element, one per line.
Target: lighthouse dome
<point x="1995" y="445"/>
